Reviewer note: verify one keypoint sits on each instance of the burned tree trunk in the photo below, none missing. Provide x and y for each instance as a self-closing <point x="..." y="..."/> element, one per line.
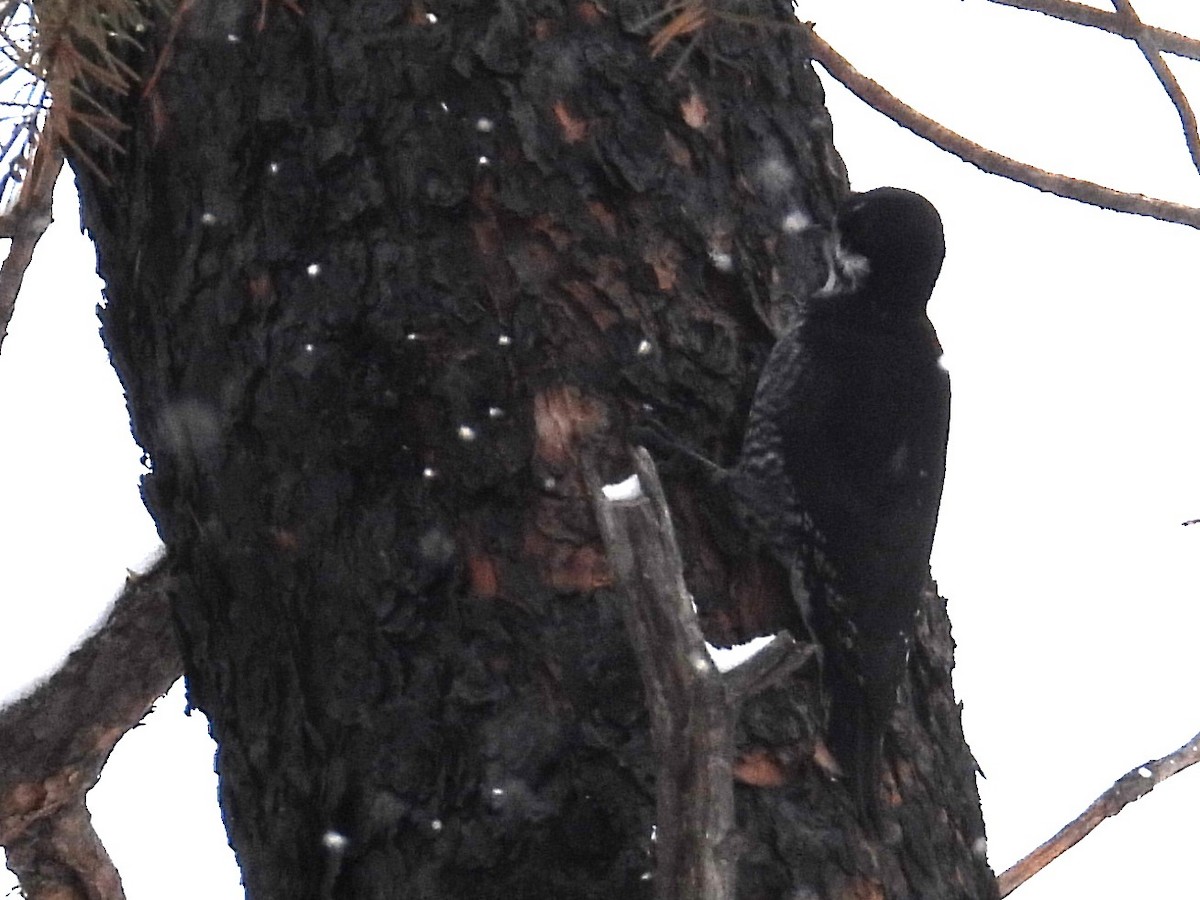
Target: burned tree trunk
<point x="379" y="275"/>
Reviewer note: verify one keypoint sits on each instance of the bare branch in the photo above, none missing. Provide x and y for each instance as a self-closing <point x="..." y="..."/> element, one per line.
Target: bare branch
<point x="54" y="742"/>
<point x="1080" y="14"/>
<point x="690" y="722"/>
<point x="873" y="94"/>
<point x="1131" y="786"/>
<point x="26" y="224"/>
<point x="60" y="857"/>
<point x="1166" y="78"/>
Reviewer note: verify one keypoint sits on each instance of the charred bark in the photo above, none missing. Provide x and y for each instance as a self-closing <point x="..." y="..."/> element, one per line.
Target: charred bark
<point x="377" y="275"/>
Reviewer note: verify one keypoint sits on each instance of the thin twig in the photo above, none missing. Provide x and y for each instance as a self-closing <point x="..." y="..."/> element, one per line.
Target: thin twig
<point x="1131" y="786"/>
<point x="1078" y="13"/>
<point x="873" y="94"/>
<point x="1166" y="78"/>
<point x="690" y="725"/>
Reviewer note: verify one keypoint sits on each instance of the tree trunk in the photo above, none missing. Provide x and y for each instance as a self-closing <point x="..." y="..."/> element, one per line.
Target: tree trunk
<point x="379" y="276"/>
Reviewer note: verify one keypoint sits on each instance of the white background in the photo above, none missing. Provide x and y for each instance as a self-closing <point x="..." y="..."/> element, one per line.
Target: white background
<point x="1071" y="336"/>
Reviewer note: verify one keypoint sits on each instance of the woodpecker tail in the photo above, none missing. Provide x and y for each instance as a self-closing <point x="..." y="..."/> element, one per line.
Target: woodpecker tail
<point x="862" y="697"/>
<point x="856" y="740"/>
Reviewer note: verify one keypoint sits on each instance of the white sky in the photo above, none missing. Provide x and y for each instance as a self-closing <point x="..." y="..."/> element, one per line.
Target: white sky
<point x="1071" y="337"/>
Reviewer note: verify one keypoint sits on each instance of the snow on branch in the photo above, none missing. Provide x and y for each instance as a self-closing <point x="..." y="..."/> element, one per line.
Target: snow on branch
<point x="693" y="705"/>
<point x="690" y="724"/>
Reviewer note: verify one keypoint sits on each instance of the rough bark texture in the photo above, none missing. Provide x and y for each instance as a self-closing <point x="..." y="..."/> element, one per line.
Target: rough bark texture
<point x="55" y="741"/>
<point x="377" y="276"/>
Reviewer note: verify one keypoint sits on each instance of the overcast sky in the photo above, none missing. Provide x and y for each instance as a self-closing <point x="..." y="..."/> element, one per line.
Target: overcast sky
<point x="1071" y="339"/>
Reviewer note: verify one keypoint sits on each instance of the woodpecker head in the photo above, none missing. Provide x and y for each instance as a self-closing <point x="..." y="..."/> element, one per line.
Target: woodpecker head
<point x="890" y="243"/>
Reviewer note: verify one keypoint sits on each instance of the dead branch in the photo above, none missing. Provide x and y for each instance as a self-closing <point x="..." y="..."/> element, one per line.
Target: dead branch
<point x="1131" y="786"/>
<point x="1113" y="23"/>
<point x="54" y="743"/>
<point x="874" y="95"/>
<point x="60" y="857"/>
<point x="1166" y="78"/>
<point x="26" y="224"/>
<point x="690" y="722"/>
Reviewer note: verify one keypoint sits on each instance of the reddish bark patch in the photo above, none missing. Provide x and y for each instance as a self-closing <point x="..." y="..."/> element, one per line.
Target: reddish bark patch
<point x="677" y="151"/>
<point x="260" y="287"/>
<point x="863" y="889"/>
<point x="574" y="129"/>
<point x="589" y="12"/>
<point x="484" y="575"/>
<point x="664" y="260"/>
<point x="758" y="768"/>
<point x="695" y="111"/>
<point x="561" y="416"/>
<point x="566" y="567"/>
<point x="553" y="229"/>
<point x="604" y="216"/>
<point x="586" y="297"/>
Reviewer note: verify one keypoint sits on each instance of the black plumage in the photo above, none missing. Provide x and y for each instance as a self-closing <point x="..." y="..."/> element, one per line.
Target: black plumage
<point x="843" y="460"/>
